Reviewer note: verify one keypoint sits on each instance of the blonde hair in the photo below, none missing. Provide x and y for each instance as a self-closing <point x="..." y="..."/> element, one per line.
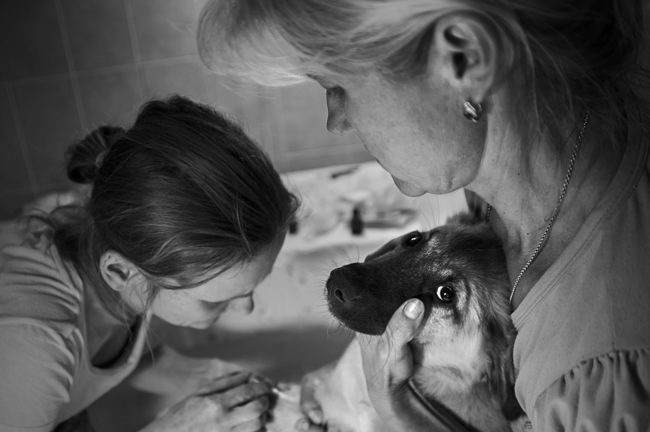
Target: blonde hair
<point x="572" y="55"/>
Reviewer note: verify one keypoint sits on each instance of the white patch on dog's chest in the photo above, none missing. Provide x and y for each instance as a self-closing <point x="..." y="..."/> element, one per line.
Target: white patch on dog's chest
<point x="451" y="367"/>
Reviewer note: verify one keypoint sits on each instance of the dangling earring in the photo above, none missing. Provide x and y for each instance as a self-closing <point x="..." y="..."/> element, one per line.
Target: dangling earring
<point x="472" y="110"/>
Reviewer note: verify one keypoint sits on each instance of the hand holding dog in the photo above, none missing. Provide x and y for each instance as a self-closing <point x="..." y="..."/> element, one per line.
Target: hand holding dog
<point x="230" y="403"/>
<point x="387" y="366"/>
<point x="388" y="361"/>
<point x="168" y="372"/>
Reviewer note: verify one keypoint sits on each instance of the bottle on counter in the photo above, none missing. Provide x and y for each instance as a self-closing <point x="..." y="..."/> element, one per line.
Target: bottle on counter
<point x="293" y="225"/>
<point x="356" y="223"/>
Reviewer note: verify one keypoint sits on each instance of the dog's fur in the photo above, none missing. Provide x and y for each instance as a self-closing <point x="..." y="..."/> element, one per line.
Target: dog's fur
<point x="463" y="351"/>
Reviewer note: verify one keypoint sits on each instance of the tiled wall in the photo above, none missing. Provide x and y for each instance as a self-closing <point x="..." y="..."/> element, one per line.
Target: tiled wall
<point x="67" y="66"/>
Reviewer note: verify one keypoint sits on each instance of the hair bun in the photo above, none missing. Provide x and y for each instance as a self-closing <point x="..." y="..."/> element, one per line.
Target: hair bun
<point x="84" y="157"/>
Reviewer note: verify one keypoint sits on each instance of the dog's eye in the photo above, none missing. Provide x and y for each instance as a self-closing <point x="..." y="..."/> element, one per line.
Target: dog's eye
<point x="445" y="293"/>
<point x="412" y="239"/>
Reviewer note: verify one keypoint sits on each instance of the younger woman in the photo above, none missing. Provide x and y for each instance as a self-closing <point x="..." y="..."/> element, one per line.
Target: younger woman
<point x="185" y="218"/>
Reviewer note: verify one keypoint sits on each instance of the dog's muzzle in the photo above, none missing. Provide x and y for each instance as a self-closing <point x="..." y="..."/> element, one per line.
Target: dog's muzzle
<point x="350" y="301"/>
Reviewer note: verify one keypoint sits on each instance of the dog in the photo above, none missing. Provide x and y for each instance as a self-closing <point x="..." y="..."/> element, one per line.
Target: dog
<point x="463" y="351"/>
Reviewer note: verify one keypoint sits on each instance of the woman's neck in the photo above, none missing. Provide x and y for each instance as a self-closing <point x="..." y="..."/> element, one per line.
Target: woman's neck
<point x="523" y="184"/>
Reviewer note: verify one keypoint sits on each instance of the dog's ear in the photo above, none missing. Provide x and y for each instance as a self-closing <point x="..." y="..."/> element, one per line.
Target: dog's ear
<point x="464" y="218"/>
<point x="476" y="212"/>
<point x="476" y="207"/>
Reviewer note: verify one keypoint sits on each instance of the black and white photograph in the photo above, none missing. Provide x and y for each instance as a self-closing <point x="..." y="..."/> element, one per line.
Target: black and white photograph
<point x="324" y="216"/>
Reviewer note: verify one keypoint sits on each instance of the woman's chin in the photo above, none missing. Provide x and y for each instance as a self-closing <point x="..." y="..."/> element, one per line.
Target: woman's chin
<point x="407" y="188"/>
<point x="207" y="323"/>
<point x="198" y="325"/>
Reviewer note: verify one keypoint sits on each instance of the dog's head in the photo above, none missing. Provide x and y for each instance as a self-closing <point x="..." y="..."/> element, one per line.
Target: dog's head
<point x="458" y="270"/>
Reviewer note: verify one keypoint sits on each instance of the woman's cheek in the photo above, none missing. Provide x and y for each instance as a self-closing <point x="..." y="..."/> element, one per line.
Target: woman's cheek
<point x="182" y="311"/>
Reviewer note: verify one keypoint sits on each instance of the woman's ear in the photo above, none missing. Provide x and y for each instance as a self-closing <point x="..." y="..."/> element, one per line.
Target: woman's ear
<point x="464" y="51"/>
<point x="117" y="271"/>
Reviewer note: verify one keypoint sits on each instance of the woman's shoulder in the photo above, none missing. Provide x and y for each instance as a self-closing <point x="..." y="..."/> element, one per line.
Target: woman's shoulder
<point x="35" y="281"/>
<point x="595" y="299"/>
<point x="39" y="331"/>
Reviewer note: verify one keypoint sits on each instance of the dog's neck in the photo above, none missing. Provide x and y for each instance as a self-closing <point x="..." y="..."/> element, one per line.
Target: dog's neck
<point x="457" y="382"/>
<point x="453" y="368"/>
<point x="474" y="403"/>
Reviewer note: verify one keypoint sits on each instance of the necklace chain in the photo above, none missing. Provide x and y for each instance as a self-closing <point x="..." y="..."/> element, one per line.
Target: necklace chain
<point x="565" y="186"/>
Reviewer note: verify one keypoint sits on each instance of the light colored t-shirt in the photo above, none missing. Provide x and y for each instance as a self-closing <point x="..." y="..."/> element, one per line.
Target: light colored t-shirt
<point x="50" y="324"/>
<point x="582" y="354"/>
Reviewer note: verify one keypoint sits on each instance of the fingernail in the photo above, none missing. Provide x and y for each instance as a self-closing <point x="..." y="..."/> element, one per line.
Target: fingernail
<point x="283" y="386"/>
<point x="316" y="416"/>
<point x="302" y="424"/>
<point x="413" y="309"/>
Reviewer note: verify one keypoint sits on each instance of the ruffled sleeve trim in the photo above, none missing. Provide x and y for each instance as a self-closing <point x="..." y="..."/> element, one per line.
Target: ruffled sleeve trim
<point x="610" y="392"/>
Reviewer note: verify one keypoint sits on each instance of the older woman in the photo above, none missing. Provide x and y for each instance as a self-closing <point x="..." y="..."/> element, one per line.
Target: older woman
<point x="532" y="107"/>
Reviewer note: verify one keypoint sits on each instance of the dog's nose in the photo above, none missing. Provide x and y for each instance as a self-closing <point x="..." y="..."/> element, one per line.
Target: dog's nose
<point x="343" y="283"/>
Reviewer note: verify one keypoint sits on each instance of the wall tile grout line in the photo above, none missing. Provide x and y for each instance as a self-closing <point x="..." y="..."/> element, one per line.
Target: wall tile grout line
<point x="39" y="79"/>
<point x="76" y="91"/>
<point x="133" y="35"/>
<point x="168" y="61"/>
<point x="106" y="70"/>
<point x="270" y="127"/>
<point x="13" y="105"/>
<point x="132" y="66"/>
<point x="99" y="89"/>
<point x="281" y="129"/>
<point x="185" y="58"/>
<point x="16" y="191"/>
<point x="135" y="44"/>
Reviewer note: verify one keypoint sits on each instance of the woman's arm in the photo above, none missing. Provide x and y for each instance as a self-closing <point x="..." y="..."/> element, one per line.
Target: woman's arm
<point x="607" y="393"/>
<point x="36" y="373"/>
<point x="79" y="423"/>
<point x="165" y="371"/>
<point x="234" y="402"/>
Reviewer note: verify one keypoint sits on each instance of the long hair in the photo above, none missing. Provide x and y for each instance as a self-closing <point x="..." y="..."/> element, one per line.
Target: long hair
<point x="568" y="55"/>
<point x="183" y="194"/>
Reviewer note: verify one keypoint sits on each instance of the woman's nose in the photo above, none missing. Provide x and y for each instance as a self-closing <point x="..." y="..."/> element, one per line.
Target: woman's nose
<point x="337" y="122"/>
<point x="243" y="305"/>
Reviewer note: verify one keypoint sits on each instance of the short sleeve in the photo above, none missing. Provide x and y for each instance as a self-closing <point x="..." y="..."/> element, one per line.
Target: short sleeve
<point x="607" y="393"/>
<point x="36" y="375"/>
